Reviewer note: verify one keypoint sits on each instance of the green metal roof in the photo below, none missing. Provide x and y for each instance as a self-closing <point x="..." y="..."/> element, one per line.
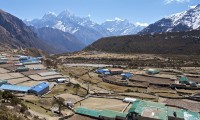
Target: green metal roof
<point x="31" y="62"/>
<point x="134" y="106"/>
<point x="157" y="109"/>
<point x="145" y="109"/>
<point x="138" y="105"/>
<point x="97" y="113"/>
<point x="112" y="114"/>
<point x="152" y="112"/>
<point x="152" y="104"/>
<point x="183" y="78"/>
<point x="154" y="71"/>
<point x="3" y="62"/>
<point x="157" y="113"/>
<point x="160" y="111"/>
<point x="189" y="115"/>
<point x="179" y="112"/>
<point x="20" y="69"/>
<point x="88" y="112"/>
<point x="3" y="81"/>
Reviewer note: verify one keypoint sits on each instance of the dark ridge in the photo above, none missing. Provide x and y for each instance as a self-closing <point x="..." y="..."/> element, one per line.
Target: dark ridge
<point x="187" y="42"/>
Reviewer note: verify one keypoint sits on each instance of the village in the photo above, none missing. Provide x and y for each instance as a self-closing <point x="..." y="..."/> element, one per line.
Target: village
<point x="52" y="90"/>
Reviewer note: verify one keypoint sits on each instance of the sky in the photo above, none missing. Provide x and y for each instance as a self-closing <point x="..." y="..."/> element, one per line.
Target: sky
<point x="136" y="11"/>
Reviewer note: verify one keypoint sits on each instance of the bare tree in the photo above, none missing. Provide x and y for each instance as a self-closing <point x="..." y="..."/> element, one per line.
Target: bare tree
<point x="60" y="102"/>
<point x="77" y="87"/>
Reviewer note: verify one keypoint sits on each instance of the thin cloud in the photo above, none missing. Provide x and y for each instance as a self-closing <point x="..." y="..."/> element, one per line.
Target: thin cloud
<point x="179" y="1"/>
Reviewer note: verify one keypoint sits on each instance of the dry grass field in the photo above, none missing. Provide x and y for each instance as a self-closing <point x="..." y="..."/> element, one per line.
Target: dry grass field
<point x="33" y="72"/>
<point x="74" y="71"/>
<point x="39" y="78"/>
<point x="91" y="77"/>
<point x="2" y="70"/>
<point x="41" y="66"/>
<point x="112" y="55"/>
<point x="6" y="76"/>
<point x="18" y="80"/>
<point x="102" y="103"/>
<point x="30" y="83"/>
<point x="63" y="89"/>
<point x="69" y="97"/>
<point x="156" y="89"/>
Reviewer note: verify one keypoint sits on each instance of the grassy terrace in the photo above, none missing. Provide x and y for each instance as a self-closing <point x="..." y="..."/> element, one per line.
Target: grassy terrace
<point x="119" y="89"/>
<point x="91" y="77"/>
<point x="154" y="89"/>
<point x="152" y="92"/>
<point x="38" y="108"/>
<point x="63" y="88"/>
<point x="74" y="71"/>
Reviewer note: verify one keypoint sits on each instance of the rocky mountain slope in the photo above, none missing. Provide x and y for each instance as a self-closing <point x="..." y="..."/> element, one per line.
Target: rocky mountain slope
<point x="59" y="40"/>
<point x="184" y="21"/>
<point x="167" y="43"/>
<point x="15" y="34"/>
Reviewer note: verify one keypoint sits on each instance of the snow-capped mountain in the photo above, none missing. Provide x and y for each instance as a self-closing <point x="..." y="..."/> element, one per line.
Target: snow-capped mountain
<point x="184" y="21"/>
<point x="83" y="28"/>
<point x="121" y="27"/>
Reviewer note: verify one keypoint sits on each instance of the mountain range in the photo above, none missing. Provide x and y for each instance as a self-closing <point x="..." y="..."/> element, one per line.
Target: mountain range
<point x="176" y="34"/>
<point x="83" y="28"/>
<point x="120" y="27"/>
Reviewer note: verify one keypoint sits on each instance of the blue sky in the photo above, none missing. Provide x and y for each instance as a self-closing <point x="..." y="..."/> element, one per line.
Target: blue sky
<point x="147" y="11"/>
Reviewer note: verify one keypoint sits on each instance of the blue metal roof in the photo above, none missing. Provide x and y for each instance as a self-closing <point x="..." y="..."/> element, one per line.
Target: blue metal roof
<point x="100" y="71"/>
<point x="106" y="73"/>
<point x="127" y="75"/>
<point x="15" y="88"/>
<point x="30" y="59"/>
<point x="39" y="87"/>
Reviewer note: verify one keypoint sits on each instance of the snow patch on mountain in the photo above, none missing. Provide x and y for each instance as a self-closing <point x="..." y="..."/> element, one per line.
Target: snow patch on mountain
<point x="183" y="21"/>
<point x="119" y="26"/>
<point x="191" y="18"/>
<point x="141" y="24"/>
<point x="59" y="25"/>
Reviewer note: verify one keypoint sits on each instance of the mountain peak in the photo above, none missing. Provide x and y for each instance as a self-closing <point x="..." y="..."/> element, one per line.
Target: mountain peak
<point x="183" y="21"/>
<point x="66" y="13"/>
<point x="49" y="15"/>
<point x="118" y="19"/>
